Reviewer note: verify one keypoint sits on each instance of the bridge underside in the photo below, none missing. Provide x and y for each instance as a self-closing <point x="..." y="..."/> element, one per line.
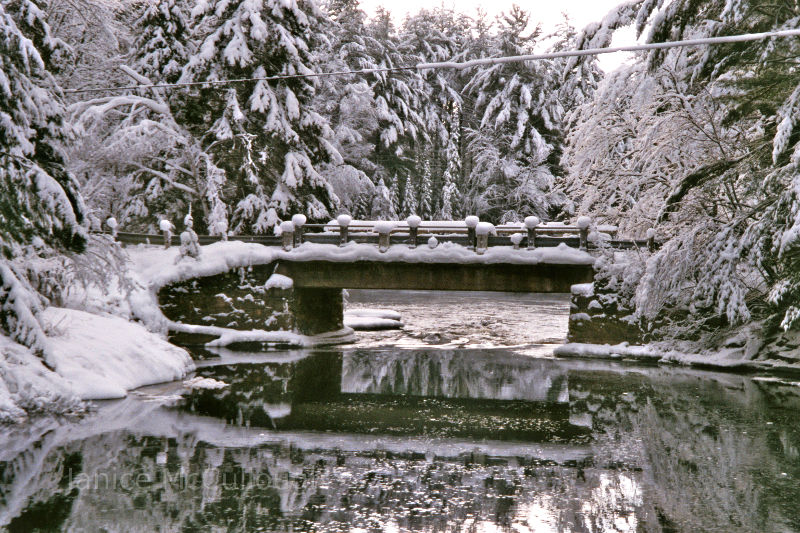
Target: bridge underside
<point x="501" y="277"/>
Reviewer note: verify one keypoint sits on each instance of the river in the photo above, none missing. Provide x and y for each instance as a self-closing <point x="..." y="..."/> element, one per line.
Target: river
<point x="463" y="421"/>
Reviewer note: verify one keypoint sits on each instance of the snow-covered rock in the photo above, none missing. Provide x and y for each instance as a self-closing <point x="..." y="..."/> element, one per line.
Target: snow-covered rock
<point x="372" y="319"/>
<point x="200" y="382"/>
<point x="279" y="281"/>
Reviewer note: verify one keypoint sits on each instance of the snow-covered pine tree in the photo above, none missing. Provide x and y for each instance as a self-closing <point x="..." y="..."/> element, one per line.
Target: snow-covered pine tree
<point x="394" y="194"/>
<point x="348" y="102"/>
<point x="397" y="100"/>
<point x="382" y="208"/>
<point x="517" y="145"/>
<point x="39" y="199"/>
<point x="425" y="190"/>
<point x="409" y="198"/>
<point x="266" y="136"/>
<point x="162" y="46"/>
<point x="435" y="35"/>
<point x="449" y="206"/>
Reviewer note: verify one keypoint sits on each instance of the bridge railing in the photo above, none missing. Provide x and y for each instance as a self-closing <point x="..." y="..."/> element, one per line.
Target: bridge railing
<point x="413" y="232"/>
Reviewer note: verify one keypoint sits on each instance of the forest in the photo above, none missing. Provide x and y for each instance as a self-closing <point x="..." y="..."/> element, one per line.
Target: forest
<point x="698" y="143"/>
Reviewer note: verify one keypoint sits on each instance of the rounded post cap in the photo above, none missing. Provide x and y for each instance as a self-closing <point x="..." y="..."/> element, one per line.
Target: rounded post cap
<point x="531" y="222"/>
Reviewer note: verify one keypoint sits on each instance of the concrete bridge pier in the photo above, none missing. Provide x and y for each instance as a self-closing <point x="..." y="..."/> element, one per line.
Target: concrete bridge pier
<point x="317" y="310"/>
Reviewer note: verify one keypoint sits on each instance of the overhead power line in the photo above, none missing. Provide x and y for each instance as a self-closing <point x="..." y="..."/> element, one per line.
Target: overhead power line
<point x="465" y="64"/>
<point x="597" y="51"/>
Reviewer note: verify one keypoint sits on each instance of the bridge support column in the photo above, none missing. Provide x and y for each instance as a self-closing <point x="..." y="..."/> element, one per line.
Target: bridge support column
<point x="317" y="310"/>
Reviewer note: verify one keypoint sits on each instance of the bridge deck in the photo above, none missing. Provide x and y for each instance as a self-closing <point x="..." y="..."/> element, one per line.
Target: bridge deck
<point x="500" y="277"/>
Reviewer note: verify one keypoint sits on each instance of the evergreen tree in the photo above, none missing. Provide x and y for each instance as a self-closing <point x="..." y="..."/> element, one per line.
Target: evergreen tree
<point x="424" y="193"/>
<point x="431" y="36"/>
<point x="394" y="194"/>
<point x="409" y="198"/>
<point x="382" y="208"/>
<point x="266" y="135"/>
<point x="516" y="147"/>
<point x="39" y="199"/>
<point x="397" y="97"/>
<point x="449" y="204"/>
<point x="162" y="46"/>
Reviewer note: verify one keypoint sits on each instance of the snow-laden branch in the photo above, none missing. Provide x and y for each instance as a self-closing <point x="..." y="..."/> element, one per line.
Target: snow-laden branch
<point x="166" y="178"/>
<point x="144" y="80"/>
<point x="96" y="109"/>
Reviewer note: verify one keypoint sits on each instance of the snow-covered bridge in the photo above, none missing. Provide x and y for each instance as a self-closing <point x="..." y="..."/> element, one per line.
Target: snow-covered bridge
<point x="236" y="285"/>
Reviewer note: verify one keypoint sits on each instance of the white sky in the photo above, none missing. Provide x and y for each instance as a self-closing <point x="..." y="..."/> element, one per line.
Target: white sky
<point x="546" y="12"/>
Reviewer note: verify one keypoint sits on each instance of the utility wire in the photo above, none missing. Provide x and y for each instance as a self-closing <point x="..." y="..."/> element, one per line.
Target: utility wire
<point x="466" y="64"/>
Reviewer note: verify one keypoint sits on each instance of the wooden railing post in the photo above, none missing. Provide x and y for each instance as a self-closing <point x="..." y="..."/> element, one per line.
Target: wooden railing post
<point x="530" y="225"/>
<point x="344" y="221"/>
<point x="287" y="234"/>
<point x="166" y="228"/>
<point x="413" y="229"/>
<point x="299" y="221"/>
<point x="471" y="222"/>
<point x="111" y="222"/>
<point x="383" y="229"/>
<point x="583" y="231"/>
<point x="482" y="231"/>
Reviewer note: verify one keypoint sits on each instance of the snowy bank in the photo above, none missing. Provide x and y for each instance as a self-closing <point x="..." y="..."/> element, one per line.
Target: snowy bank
<point x="723" y="359"/>
<point x="104" y="356"/>
<point x="27" y="386"/>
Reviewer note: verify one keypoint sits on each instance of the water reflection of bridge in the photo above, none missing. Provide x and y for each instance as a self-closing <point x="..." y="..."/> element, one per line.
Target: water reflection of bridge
<point x="448" y="394"/>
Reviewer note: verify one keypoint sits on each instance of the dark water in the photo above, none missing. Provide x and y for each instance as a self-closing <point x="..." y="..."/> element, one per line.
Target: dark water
<point x="439" y="435"/>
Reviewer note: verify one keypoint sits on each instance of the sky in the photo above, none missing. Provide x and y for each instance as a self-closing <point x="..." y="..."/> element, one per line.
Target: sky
<point x="546" y="12"/>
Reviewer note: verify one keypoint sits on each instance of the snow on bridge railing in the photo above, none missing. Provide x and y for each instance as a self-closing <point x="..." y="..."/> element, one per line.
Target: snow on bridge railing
<point x="477" y="233"/>
<point x="470" y="232"/>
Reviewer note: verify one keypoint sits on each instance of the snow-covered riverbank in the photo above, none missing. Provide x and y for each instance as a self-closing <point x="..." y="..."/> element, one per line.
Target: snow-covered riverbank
<point x="729" y="359"/>
<point x="88" y="357"/>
